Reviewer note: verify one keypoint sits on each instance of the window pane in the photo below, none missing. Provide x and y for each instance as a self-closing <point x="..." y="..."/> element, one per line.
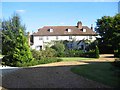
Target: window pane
<point x="40" y="38"/>
<point x="47" y="38"/>
<point x="70" y="37"/>
<point x="90" y="37"/>
<point x="56" y="37"/>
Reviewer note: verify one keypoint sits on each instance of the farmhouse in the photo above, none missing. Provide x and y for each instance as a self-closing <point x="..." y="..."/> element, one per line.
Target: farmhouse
<point x="77" y="33"/>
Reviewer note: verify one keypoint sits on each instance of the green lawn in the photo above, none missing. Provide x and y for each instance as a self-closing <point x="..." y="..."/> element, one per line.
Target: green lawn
<point x="101" y="72"/>
<point x="75" y="58"/>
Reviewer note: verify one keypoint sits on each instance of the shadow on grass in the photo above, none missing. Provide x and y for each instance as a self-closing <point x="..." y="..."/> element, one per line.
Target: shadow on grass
<point x="103" y="72"/>
<point x="58" y="76"/>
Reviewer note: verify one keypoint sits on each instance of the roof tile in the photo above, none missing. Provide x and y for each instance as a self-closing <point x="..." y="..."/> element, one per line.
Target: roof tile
<point x="62" y="30"/>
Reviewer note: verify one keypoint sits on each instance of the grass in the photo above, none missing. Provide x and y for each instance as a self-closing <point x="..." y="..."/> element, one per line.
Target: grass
<point x="75" y="58"/>
<point x="101" y="72"/>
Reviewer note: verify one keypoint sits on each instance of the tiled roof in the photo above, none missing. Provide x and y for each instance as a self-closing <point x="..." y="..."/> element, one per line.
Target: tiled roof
<point x="62" y="30"/>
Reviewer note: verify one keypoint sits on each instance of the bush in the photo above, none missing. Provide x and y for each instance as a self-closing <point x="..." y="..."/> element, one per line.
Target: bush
<point x="49" y="60"/>
<point x="48" y="52"/>
<point x="7" y="60"/>
<point x="90" y="54"/>
<point x="33" y="62"/>
<point x="96" y="52"/>
<point x="115" y="53"/>
<point x="59" y="48"/>
<point x="36" y="54"/>
<point x="74" y="53"/>
<point x="44" y="56"/>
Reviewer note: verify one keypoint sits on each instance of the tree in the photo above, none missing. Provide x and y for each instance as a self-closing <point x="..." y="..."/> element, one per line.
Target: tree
<point x="108" y="28"/>
<point x="116" y="33"/>
<point x="10" y="29"/>
<point x="105" y="28"/>
<point x="0" y="37"/>
<point x="16" y="49"/>
<point x="21" y="53"/>
<point x="119" y="50"/>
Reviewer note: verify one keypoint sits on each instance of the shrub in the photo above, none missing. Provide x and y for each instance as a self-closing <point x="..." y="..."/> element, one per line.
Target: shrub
<point x="74" y="53"/>
<point x="44" y="56"/>
<point x="59" y="48"/>
<point x="90" y="54"/>
<point x="49" y="60"/>
<point x="96" y="52"/>
<point x="6" y="60"/>
<point x="115" y="53"/>
<point x="36" y="54"/>
<point x="48" y="52"/>
<point x="33" y="62"/>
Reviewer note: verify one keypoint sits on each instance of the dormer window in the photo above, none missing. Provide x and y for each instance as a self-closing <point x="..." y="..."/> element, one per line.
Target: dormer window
<point x="68" y="30"/>
<point x="84" y="30"/>
<point x="50" y="30"/>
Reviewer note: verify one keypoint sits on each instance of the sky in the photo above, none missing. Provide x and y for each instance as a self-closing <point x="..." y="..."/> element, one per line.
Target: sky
<point x="35" y="15"/>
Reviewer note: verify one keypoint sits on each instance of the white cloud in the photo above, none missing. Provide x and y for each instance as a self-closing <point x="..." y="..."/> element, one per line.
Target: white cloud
<point x="20" y="11"/>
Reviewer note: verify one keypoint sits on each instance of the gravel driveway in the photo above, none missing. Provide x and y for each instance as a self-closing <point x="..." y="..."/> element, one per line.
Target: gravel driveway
<point x="54" y="75"/>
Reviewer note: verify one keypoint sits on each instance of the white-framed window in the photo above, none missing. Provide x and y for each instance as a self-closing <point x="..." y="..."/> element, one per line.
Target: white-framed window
<point x="90" y="37"/>
<point x="57" y="38"/>
<point x="70" y="37"/>
<point x="47" y="38"/>
<point x="68" y="30"/>
<point x="50" y="30"/>
<point x="84" y="30"/>
<point x="40" y="38"/>
<point x="39" y="47"/>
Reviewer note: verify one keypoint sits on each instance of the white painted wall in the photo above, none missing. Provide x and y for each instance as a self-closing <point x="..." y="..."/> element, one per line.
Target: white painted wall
<point x="39" y="40"/>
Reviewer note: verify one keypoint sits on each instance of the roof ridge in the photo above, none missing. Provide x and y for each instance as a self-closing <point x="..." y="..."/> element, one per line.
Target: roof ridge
<point x="59" y="26"/>
<point x="62" y="26"/>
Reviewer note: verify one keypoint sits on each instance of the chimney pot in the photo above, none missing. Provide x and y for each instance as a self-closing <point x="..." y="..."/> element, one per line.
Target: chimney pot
<point x="91" y="26"/>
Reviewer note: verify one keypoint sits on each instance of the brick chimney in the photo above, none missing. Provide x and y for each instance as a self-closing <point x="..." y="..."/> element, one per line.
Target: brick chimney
<point x="79" y="24"/>
<point x="29" y="39"/>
